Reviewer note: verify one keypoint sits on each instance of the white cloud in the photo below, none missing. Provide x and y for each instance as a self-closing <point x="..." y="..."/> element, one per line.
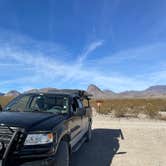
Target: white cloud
<point x="48" y="70"/>
<point x="52" y="71"/>
<point x="92" y="47"/>
<point x="146" y="52"/>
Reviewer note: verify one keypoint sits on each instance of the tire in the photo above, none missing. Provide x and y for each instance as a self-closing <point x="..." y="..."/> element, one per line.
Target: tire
<point x="89" y="134"/>
<point x="62" y="155"/>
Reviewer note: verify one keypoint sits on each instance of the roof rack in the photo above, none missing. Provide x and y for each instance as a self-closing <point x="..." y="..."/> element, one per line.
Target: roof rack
<point x="76" y="92"/>
<point x="80" y="93"/>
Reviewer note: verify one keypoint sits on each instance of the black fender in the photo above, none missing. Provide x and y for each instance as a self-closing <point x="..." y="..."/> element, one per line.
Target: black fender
<point x="61" y="133"/>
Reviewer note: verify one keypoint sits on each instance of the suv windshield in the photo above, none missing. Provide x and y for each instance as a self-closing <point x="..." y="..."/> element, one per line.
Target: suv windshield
<point x="41" y="103"/>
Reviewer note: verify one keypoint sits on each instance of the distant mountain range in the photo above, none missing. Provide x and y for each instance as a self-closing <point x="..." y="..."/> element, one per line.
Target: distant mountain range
<point x="12" y="93"/>
<point x="40" y="90"/>
<point x="158" y="91"/>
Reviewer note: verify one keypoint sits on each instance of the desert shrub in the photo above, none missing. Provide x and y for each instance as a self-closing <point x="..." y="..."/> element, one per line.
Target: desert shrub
<point x="151" y="110"/>
<point x="119" y="112"/>
<point x="161" y="117"/>
<point x="134" y="111"/>
<point x="132" y="107"/>
<point x="162" y="108"/>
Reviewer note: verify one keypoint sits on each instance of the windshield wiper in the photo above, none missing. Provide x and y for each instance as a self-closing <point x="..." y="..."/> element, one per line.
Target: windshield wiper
<point x="11" y="110"/>
<point x="59" y="113"/>
<point x="14" y="111"/>
<point x="36" y="110"/>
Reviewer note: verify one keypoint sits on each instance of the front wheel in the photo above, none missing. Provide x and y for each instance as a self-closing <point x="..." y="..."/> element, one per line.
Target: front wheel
<point x="62" y="156"/>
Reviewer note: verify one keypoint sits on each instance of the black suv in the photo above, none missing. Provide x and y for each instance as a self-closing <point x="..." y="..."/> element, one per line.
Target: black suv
<point x="44" y="128"/>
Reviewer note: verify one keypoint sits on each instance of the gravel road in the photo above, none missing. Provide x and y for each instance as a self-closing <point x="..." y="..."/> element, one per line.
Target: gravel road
<point x="124" y="142"/>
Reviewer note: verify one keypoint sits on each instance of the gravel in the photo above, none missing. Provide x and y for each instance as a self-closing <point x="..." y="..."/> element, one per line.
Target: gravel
<point x="124" y="142"/>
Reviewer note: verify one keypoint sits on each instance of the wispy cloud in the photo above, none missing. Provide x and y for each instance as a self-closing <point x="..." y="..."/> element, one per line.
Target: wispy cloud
<point x="145" y="52"/>
<point x="49" y="71"/>
<point x="45" y="70"/>
<point x="91" y="47"/>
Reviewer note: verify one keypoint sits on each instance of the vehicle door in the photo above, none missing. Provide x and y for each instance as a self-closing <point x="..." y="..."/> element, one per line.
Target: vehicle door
<point x="75" y="123"/>
<point x="84" y="118"/>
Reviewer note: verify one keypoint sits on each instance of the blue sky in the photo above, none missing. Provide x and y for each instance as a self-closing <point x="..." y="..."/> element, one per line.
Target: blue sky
<point x="114" y="44"/>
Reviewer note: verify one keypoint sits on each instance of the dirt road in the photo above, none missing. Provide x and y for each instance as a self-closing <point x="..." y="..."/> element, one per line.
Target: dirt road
<point x="124" y="143"/>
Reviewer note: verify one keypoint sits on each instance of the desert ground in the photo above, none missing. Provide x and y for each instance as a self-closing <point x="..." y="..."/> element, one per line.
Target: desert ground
<point x="124" y="142"/>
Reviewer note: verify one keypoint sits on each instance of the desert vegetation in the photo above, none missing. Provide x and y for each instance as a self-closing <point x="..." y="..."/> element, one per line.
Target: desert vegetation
<point x="4" y="100"/>
<point x="152" y="108"/>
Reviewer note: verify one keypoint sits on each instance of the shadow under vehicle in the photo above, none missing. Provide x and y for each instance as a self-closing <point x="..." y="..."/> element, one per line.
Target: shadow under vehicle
<point x="101" y="150"/>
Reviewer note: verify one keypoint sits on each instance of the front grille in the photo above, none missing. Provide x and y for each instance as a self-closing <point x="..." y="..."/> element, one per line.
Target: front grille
<point x="6" y="134"/>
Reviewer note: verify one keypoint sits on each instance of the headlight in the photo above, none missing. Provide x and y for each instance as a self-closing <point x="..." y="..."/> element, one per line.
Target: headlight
<point x="36" y="139"/>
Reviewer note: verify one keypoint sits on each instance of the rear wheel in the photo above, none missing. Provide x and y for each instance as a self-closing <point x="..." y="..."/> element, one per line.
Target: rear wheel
<point x="62" y="156"/>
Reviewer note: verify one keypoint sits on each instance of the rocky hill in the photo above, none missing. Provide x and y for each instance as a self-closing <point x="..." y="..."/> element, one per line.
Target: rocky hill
<point x="40" y="90"/>
<point x="12" y="93"/>
<point x="95" y="91"/>
<point x="158" y="91"/>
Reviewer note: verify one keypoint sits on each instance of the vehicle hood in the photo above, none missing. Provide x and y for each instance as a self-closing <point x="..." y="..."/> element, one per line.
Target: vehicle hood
<point x="30" y="120"/>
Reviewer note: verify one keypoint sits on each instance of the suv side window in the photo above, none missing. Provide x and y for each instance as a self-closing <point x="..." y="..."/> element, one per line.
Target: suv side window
<point x="74" y="104"/>
<point x="80" y="105"/>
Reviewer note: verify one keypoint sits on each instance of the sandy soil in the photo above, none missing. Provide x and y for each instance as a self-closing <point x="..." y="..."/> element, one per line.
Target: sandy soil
<point x="124" y="142"/>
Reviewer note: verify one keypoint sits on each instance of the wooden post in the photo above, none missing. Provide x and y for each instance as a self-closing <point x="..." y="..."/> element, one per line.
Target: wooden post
<point x="99" y="102"/>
